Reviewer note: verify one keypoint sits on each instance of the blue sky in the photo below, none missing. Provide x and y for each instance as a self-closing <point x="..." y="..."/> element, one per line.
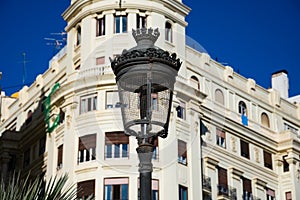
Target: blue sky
<point x="255" y="37"/>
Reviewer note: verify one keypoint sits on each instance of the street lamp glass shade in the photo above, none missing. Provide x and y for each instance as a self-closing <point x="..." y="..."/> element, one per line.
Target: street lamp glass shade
<point x="145" y="76"/>
<point x="146" y="94"/>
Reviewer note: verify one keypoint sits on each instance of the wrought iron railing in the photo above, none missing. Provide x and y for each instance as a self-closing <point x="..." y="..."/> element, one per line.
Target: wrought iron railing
<point x="228" y="191"/>
<point x="206" y="183"/>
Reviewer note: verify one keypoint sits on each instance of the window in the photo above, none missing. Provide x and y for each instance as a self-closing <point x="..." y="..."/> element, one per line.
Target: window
<point x="245" y="149"/>
<point x="100" y="26"/>
<point x="88" y="103"/>
<point x="100" y="60"/>
<point x="288" y="196"/>
<point x="286" y="165"/>
<point x="121" y="24"/>
<point x="116" y="145"/>
<point x="155" y="151"/>
<point x="87" y="148"/>
<point x="181" y="110"/>
<point x="242" y="108"/>
<point x="265" y="120"/>
<point x="268" y="160"/>
<point x="270" y="194"/>
<point x="182" y="154"/>
<point x="42" y="147"/>
<point x="221" y="138"/>
<point x="112" y="100"/>
<point x="26" y="160"/>
<point x="168" y="32"/>
<point x="116" y="188"/>
<point x="141" y="21"/>
<point x="223" y="182"/>
<point x="85" y="189"/>
<point x="29" y="117"/>
<point x="195" y="82"/>
<point x="61" y="116"/>
<point x="219" y="97"/>
<point x="59" y="157"/>
<point x="247" y="189"/>
<point x="155" y="189"/>
<point x="183" y="193"/>
<point x="78" y="36"/>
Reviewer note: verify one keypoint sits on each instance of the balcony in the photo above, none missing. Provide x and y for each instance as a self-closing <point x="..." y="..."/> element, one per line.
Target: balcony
<point x="249" y="196"/>
<point x="206" y="184"/>
<point x="226" y="192"/>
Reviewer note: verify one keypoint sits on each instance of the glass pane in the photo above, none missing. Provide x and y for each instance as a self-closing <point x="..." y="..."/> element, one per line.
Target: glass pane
<point x="108" y="192"/>
<point x="117" y="151"/>
<point x="124" y="24"/>
<point x="124" y="150"/>
<point x="89" y="106"/>
<point x="108" y="151"/>
<point x="95" y="103"/>
<point x="124" y="191"/>
<point x="117" y="24"/>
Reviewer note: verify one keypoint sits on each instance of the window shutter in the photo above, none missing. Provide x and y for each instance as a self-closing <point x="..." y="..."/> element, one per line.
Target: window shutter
<point x="222" y="175"/>
<point x="87" y="142"/>
<point x="247" y="185"/>
<point x="86" y="188"/>
<point x="116" y="138"/>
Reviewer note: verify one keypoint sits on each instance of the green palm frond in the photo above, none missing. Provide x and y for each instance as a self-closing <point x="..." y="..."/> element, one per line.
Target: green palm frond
<point x="25" y="189"/>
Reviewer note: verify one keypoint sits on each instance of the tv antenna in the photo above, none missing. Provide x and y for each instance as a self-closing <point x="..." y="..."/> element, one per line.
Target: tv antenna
<point x="24" y="74"/>
<point x="57" y="40"/>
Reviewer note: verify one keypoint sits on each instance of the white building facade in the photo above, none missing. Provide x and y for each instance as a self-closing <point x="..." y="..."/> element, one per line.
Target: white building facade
<point x="229" y="138"/>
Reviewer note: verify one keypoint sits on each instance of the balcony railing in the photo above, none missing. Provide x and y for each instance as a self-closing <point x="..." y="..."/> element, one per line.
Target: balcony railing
<point x="249" y="196"/>
<point x="227" y="191"/>
<point x="95" y="71"/>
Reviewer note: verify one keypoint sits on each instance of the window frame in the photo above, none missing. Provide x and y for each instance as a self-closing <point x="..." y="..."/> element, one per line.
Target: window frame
<point x="183" y="192"/>
<point x="182" y="152"/>
<point x="119" y="25"/>
<point x="84" y="103"/>
<point x="169" y="31"/>
<point x="246" y="148"/>
<point x="221" y="134"/>
<point x="112" y="182"/>
<point x="60" y="156"/>
<point x="116" y="141"/>
<point x="87" y="146"/>
<point x="141" y="20"/>
<point x="89" y="185"/>
<point x="100" y="26"/>
<point x="268" y="162"/>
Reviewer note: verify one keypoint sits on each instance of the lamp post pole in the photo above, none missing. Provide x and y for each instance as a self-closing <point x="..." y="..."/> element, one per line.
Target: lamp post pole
<point x="145" y="75"/>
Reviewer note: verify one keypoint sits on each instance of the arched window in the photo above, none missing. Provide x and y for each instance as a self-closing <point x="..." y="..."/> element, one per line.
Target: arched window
<point x="242" y="108"/>
<point x="264" y="120"/>
<point x="168" y="31"/>
<point x="219" y="97"/>
<point x="195" y="82"/>
<point x="78" y="36"/>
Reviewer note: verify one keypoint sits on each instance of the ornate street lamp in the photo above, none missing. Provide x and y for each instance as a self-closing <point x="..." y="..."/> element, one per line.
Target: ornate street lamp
<point x="145" y="76"/>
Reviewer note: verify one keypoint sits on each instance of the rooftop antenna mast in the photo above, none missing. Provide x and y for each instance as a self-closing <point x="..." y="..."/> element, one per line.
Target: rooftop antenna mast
<point x="24" y="68"/>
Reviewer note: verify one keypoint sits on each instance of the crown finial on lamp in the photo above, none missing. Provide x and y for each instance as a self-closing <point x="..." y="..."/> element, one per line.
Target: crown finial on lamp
<point x="145" y="37"/>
